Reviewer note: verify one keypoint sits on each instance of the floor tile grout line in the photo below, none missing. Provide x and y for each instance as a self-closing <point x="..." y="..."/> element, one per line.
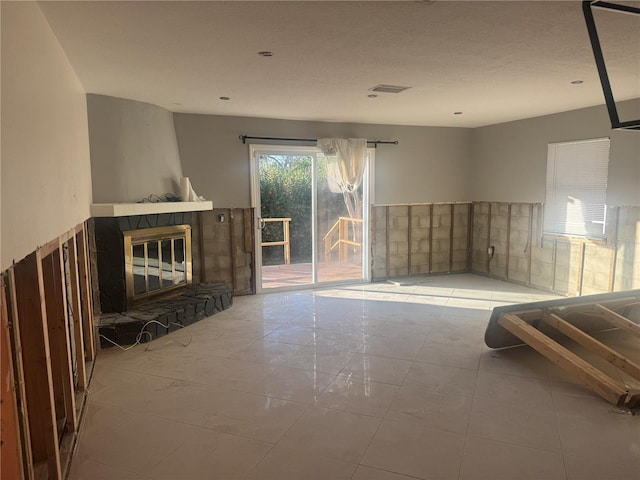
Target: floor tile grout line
<point x="246" y="475"/>
<point x="364" y="453"/>
<point x="382" y="419"/>
<point x="278" y="441"/>
<point x="557" y="424"/>
<point x="513" y="444"/>
<point x="388" y="471"/>
<point x="466" y="434"/>
<point x="195" y="425"/>
<point x="112" y="467"/>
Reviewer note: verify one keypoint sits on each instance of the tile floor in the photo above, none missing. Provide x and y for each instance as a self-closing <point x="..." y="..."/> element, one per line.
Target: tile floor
<point x="367" y="382"/>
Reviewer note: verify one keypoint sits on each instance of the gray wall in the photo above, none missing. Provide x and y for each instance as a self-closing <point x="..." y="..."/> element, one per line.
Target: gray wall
<point x="428" y="164"/>
<point x="509" y="160"/>
<point x="134" y="152"/>
<point x="46" y="172"/>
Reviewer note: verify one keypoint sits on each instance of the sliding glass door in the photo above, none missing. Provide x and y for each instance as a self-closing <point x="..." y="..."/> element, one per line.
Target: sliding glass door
<point x="307" y="230"/>
<point x="339" y="228"/>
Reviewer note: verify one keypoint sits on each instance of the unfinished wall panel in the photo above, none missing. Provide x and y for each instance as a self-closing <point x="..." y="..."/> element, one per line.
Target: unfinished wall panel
<point x="441" y="238"/>
<point x="597" y="269"/>
<point x="566" y="265"/>
<point x="499" y="235"/>
<point x="379" y="242"/>
<point x="420" y="234"/>
<point x="420" y="239"/>
<point x="11" y="451"/>
<point x="90" y="232"/>
<point x="86" y="293"/>
<point x="543" y="264"/>
<point x="241" y="256"/>
<point x="627" y="261"/>
<point x="455" y="237"/>
<point x="41" y="305"/>
<point x="460" y="238"/>
<point x="34" y="338"/>
<point x="75" y="314"/>
<point x="519" y="243"/>
<point x="59" y="341"/>
<point x="221" y="235"/>
<point x="398" y="244"/>
<point x="217" y="251"/>
<point x="480" y="237"/>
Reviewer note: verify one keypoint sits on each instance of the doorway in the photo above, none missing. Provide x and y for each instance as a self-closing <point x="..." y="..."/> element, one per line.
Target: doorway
<point x="307" y="233"/>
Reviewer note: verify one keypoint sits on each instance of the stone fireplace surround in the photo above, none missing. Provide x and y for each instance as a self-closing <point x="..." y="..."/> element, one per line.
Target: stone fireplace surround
<point x="120" y="322"/>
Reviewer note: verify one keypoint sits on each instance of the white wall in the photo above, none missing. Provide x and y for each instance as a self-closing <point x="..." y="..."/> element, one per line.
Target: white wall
<point x="428" y="164"/>
<point x="509" y="160"/>
<point x="46" y="176"/>
<point x="134" y="152"/>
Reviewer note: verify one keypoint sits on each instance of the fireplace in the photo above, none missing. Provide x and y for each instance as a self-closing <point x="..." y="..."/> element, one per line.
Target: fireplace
<point x="147" y="288"/>
<point x="156" y="260"/>
<point x="141" y="257"/>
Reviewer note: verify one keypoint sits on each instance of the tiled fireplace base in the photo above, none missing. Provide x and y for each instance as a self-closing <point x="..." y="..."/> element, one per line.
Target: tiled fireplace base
<point x="190" y="305"/>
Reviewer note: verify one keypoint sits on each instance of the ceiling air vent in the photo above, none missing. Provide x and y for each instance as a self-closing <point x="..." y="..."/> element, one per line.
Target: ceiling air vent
<point x="388" y="88"/>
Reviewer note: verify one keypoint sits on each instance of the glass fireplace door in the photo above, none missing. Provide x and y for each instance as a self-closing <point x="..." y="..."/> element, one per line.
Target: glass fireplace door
<point x="157" y="259"/>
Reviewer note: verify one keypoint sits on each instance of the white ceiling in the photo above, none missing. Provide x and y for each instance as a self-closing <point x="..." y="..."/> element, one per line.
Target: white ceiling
<point x="493" y="61"/>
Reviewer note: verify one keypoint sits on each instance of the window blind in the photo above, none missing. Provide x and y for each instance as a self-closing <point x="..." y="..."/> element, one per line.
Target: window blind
<point x="577" y="188"/>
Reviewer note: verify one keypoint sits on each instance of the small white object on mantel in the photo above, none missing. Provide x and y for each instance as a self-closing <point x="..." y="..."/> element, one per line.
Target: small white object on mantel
<point x="147" y="208"/>
<point x="187" y="192"/>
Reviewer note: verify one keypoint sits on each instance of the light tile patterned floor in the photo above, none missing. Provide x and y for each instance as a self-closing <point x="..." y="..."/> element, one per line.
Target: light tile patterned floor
<point x="367" y="382"/>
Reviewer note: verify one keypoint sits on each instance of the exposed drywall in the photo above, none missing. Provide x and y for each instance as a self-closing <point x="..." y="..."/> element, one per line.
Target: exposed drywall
<point x="428" y="164"/>
<point x="46" y="172"/>
<point x="134" y="152"/>
<point x="509" y="160"/>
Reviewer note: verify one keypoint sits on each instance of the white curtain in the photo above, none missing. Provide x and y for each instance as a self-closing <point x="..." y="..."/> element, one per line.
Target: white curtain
<point x="345" y="162"/>
<point x="346" y="159"/>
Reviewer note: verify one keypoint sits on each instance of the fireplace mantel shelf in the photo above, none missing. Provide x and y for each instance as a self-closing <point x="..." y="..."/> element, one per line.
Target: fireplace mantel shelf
<point x="127" y="209"/>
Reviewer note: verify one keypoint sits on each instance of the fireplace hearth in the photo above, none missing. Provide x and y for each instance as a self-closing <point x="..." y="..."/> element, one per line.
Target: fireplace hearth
<point x="156" y="319"/>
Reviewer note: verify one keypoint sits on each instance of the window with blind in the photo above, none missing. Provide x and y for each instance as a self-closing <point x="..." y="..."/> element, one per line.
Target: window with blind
<point x="576" y="194"/>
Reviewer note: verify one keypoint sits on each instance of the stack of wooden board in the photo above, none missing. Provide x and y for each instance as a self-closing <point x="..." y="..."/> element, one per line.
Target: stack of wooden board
<point x="552" y="327"/>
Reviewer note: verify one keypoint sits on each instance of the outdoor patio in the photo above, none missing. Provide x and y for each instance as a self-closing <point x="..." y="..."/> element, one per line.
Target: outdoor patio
<point x="274" y="276"/>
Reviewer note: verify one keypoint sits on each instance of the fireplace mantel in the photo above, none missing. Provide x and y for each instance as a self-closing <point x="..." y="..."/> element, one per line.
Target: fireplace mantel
<point x="128" y="209"/>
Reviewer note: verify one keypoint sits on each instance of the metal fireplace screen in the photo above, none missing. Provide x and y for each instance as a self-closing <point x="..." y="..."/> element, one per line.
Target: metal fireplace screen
<point x="156" y="260"/>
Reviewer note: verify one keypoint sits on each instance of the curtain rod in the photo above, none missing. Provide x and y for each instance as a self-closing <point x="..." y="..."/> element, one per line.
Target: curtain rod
<point x="244" y="139"/>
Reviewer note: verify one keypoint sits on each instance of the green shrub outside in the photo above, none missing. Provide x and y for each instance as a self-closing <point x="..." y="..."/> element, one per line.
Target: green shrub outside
<point x="285" y="191"/>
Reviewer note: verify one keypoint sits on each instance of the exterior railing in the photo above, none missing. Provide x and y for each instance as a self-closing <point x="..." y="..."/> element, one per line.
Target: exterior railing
<point x="285" y="241"/>
<point x="341" y="227"/>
